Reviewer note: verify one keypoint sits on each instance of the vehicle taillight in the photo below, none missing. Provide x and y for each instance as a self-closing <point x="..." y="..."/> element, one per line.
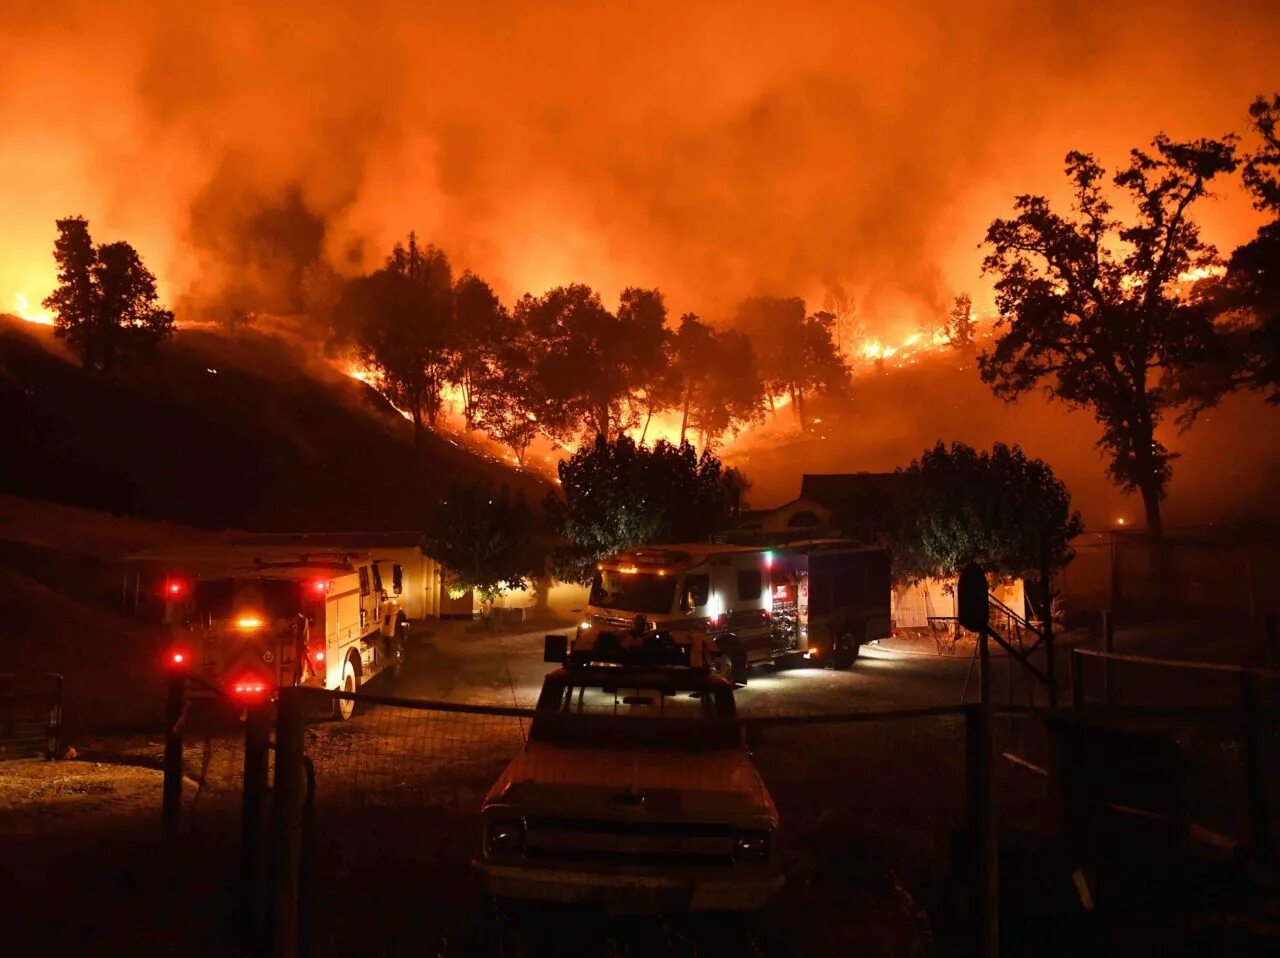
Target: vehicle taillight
<point x="249" y="689"/>
<point x="178" y="658"/>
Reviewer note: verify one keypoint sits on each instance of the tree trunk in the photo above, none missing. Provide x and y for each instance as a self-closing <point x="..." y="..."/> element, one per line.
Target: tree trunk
<point x="417" y="426"/>
<point x="645" y="431"/>
<point x="773" y="410"/>
<point x="1151" y="503"/>
<point x="797" y="400"/>
<point x="684" y="419"/>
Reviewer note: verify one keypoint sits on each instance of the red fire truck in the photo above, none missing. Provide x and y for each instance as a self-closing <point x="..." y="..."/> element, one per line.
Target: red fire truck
<point x="331" y="623"/>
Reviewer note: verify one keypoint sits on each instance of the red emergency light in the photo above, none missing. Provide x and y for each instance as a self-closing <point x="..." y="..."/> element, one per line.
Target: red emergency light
<point x="178" y="658"/>
<point x="175" y="589"/>
<point x="320" y="585"/>
<point x="249" y="688"/>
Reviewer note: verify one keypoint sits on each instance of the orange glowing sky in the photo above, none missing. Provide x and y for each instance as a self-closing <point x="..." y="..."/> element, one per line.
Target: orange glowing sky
<point x="714" y="150"/>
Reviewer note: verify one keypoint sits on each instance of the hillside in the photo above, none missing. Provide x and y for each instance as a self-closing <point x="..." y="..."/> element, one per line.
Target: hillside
<point x="253" y="432"/>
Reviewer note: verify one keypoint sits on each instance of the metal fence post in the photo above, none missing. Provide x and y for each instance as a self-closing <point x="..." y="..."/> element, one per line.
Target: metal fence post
<point x="980" y="808"/>
<point x="287" y="808"/>
<point x="1109" y="647"/>
<point x="253" y="820"/>
<point x="175" y="712"/>
<point x="1077" y="681"/>
<point x="1254" y="740"/>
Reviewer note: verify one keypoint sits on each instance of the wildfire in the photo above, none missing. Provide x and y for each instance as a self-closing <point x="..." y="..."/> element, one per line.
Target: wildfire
<point x="22" y="307"/>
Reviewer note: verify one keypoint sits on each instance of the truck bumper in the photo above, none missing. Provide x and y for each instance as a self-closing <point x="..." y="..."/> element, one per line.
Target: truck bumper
<point x="621" y="892"/>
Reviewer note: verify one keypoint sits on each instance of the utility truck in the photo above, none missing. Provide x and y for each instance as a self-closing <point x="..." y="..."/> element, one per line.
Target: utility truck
<point x="332" y="623"/>
<point x="814" y="602"/>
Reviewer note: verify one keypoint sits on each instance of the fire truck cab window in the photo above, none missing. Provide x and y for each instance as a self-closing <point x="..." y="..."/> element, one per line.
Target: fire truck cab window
<point x="397" y="578"/>
<point x="697" y="589"/>
<point x="749" y="584"/>
<point x="633" y="591"/>
<point x="364" y="580"/>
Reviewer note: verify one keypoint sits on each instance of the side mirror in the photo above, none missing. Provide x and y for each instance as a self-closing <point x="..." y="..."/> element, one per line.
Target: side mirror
<point x="555" y="648"/>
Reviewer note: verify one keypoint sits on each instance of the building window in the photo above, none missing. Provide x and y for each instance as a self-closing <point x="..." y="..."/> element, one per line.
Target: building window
<point x="749" y="584"/>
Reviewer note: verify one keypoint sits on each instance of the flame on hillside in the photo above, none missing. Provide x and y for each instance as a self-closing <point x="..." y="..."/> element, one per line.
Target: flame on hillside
<point x="23" y="309"/>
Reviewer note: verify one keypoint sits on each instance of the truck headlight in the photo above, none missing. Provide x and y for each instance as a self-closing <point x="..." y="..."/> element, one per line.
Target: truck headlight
<point x="752" y="848"/>
<point x="504" y="837"/>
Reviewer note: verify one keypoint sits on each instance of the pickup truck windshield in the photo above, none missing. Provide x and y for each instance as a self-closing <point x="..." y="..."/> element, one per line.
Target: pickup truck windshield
<point x="633" y="591"/>
<point x="601" y="717"/>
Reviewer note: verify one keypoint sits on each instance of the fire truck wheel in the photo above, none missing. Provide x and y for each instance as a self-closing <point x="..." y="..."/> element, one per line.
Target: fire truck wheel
<point x="345" y="708"/>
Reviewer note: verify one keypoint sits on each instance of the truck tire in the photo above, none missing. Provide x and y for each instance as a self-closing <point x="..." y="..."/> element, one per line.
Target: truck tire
<point x="343" y="709"/>
<point x="848" y="642"/>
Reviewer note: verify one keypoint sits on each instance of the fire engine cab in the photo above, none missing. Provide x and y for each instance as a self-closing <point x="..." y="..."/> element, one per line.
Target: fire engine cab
<point x="331" y="623"/>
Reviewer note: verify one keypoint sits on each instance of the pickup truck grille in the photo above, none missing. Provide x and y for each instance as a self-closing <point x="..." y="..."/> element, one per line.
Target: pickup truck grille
<point x="587" y="841"/>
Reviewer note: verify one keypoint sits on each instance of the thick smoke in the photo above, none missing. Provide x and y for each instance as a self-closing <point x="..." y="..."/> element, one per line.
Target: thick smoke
<point x="716" y="151"/>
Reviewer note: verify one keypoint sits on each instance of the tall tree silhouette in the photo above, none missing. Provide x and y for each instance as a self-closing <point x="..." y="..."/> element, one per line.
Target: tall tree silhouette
<point x="105" y="304"/>
<point x="1090" y="306"/>
<point x="960" y="322"/>
<point x="401" y="320"/>
<point x="796" y="353"/>
<point x="593" y="363"/>
<point x="481" y="326"/>
<point x="715" y="379"/>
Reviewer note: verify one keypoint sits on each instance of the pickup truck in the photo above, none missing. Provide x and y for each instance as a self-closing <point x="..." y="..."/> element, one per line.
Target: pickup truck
<point x="635" y="790"/>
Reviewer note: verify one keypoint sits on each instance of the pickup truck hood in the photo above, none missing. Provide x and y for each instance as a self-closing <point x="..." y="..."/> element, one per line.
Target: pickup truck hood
<point x="640" y="784"/>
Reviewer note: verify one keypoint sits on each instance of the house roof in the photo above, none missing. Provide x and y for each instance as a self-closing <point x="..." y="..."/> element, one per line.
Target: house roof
<point x="832" y="489"/>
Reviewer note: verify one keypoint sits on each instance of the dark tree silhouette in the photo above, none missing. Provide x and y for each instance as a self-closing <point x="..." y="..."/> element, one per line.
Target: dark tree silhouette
<point x="617" y="494"/>
<point x="956" y="505"/>
<point x="960" y="322"/>
<point x="484" y="537"/>
<point x="509" y="400"/>
<point x="795" y="352"/>
<point x="481" y="326"/>
<point x="1247" y="299"/>
<point x="400" y="318"/>
<point x="592" y="364"/>
<point x="105" y="304"/>
<point x="1090" y="307"/>
<point x="716" y="386"/>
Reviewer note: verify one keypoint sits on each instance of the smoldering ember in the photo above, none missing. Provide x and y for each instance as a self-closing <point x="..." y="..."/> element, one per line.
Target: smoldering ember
<point x="524" y="479"/>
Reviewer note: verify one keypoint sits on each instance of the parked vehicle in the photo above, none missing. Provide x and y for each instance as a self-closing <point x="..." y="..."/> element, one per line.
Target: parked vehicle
<point x="330" y="624"/>
<point x="816" y="602"/>
<point x="635" y="789"/>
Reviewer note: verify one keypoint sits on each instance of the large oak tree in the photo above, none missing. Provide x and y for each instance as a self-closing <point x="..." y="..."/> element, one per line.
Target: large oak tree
<point x="1091" y="306"/>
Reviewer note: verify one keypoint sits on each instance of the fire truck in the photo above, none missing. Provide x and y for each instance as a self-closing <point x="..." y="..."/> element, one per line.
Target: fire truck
<point x="815" y="602"/>
<point x="331" y="623"/>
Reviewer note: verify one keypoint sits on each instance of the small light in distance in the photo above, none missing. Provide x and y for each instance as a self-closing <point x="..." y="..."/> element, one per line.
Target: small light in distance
<point x="1120" y="521"/>
<point x="585" y="624"/>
